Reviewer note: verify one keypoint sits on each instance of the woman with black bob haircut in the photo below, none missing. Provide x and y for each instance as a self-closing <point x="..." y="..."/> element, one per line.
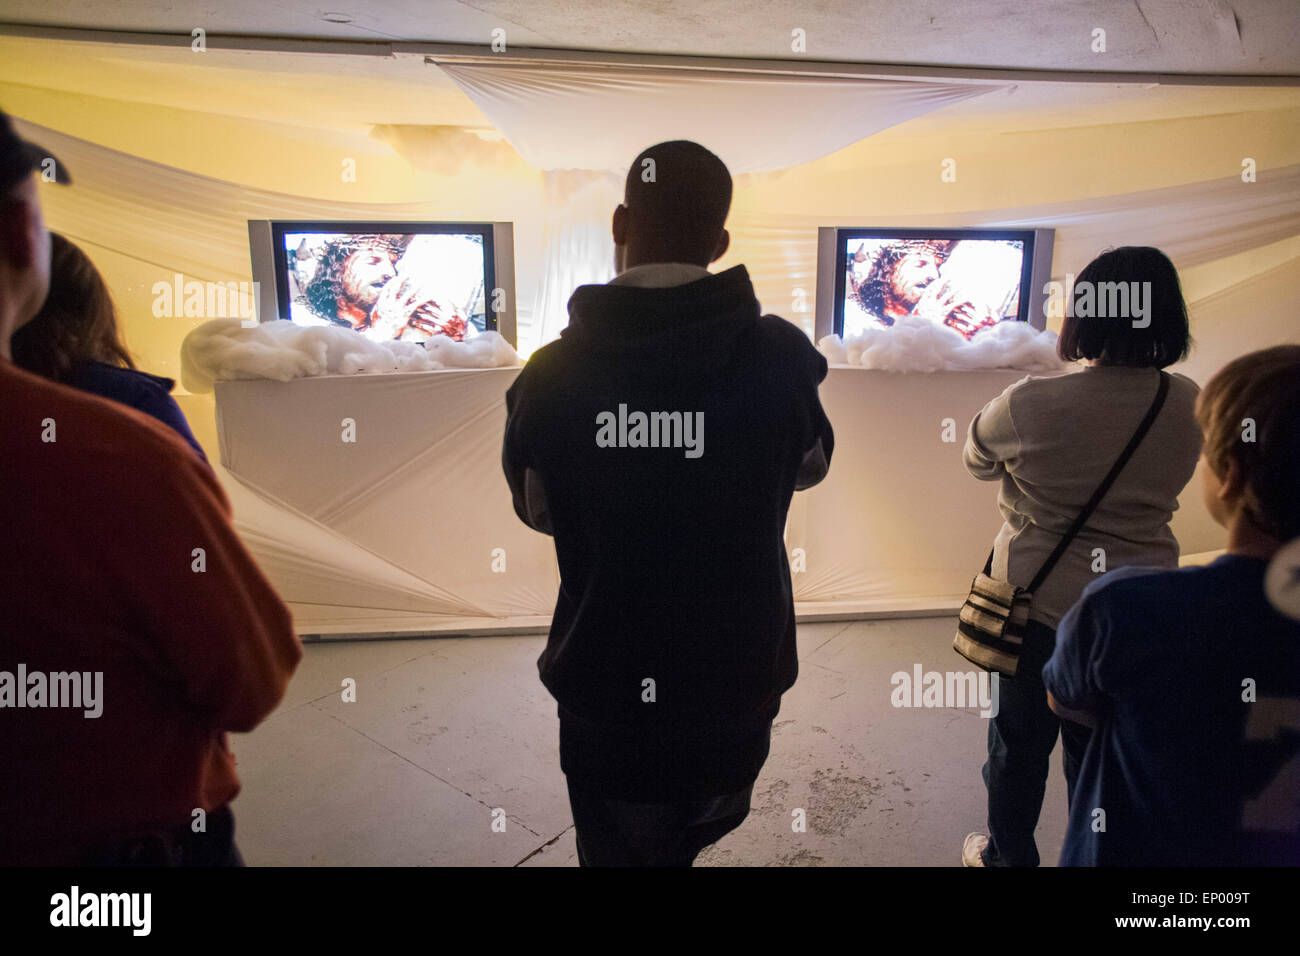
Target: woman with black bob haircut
<point x="1050" y="441"/>
<point x="1129" y="277"/>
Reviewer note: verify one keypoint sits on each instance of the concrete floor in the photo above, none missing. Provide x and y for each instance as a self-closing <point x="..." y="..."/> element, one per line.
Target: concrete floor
<point x="445" y="731"/>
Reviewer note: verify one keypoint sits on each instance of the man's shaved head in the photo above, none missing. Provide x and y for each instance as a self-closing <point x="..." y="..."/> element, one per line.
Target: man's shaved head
<point x="675" y="203"/>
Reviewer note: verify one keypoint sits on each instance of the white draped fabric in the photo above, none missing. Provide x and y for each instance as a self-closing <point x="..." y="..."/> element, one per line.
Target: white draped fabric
<point x="196" y="225"/>
<point x="1193" y="223"/>
<point x="577" y="245"/>
<point x="565" y="117"/>
<point x="411" y="526"/>
<point x="400" y="530"/>
<point x="180" y="221"/>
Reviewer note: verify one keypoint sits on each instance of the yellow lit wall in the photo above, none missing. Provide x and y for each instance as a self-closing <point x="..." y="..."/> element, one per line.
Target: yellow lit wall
<point x="888" y="177"/>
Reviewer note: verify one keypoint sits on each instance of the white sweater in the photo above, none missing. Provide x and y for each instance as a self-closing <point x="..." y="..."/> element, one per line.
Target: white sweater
<point x="1051" y="441"/>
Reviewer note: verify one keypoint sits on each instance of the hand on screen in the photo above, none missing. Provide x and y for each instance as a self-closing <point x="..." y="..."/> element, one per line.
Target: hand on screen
<point x="408" y="311"/>
<point x="430" y="321"/>
<point x="396" y="302"/>
<point x="964" y="316"/>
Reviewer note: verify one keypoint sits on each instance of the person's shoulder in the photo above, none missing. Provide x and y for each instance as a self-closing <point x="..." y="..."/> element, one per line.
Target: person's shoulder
<point x="1183" y="394"/>
<point x="123" y="384"/>
<point x="546" y="359"/>
<point x="93" y="430"/>
<point x="786" y="354"/>
<point x="782" y="337"/>
<point x="1183" y="382"/>
<point x="781" y="330"/>
<point x="542" y="369"/>
<point x="548" y="354"/>
<point x="1129" y="579"/>
<point x="1034" y="389"/>
<point x="1147" y="587"/>
<point x="1120" y="598"/>
<point x="128" y="377"/>
<point x="1067" y="378"/>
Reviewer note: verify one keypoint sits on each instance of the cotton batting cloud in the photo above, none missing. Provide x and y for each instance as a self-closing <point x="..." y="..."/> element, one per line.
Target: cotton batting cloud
<point x="914" y="344"/>
<point x="222" y="350"/>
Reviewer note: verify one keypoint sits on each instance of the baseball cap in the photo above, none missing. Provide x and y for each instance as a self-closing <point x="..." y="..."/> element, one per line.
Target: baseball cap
<point x="19" y="158"/>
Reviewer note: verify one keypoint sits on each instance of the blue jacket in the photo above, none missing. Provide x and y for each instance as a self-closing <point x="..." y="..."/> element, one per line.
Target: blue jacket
<point x="147" y="393"/>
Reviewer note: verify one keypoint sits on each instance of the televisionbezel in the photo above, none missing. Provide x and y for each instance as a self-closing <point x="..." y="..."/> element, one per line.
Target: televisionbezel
<point x="282" y="227"/>
<point x="1028" y="267"/>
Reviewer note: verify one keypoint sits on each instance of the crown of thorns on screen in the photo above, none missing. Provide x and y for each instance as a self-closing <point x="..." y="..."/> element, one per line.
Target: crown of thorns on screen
<point x="875" y="263"/>
<point x="325" y="288"/>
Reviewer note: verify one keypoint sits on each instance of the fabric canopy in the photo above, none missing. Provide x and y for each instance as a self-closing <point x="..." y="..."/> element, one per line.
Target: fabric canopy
<point x="180" y="221"/>
<point x="1192" y="224"/>
<point x="568" y="117"/>
<point x="196" y="225"/>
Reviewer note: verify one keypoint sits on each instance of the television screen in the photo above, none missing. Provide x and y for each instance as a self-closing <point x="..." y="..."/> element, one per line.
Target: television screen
<point x="407" y="282"/>
<point x="967" y="280"/>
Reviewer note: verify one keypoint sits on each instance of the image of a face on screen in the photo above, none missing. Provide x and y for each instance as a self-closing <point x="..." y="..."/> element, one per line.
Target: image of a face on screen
<point x="965" y="284"/>
<point x="409" y="287"/>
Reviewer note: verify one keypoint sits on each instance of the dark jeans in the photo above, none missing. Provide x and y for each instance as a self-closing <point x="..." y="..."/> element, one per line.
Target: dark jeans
<point x="621" y="833"/>
<point x="1021" y="738"/>
<point x="180" y="847"/>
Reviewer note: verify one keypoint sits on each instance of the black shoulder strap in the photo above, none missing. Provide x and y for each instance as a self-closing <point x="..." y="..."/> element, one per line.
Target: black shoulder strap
<point x="1109" y="480"/>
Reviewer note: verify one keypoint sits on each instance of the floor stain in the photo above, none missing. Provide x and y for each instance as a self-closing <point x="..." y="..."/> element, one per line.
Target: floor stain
<point x="771" y="799"/>
<point x="799" y="858"/>
<point x="836" y="800"/>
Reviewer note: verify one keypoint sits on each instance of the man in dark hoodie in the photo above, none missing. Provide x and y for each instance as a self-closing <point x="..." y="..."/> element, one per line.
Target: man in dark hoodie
<point x="659" y="441"/>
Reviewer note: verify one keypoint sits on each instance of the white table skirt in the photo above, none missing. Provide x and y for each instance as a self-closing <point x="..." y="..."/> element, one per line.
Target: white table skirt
<point x="410" y="527"/>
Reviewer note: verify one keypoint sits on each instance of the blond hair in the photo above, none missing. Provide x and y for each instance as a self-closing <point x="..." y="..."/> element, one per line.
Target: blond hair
<point x="1250" y="413"/>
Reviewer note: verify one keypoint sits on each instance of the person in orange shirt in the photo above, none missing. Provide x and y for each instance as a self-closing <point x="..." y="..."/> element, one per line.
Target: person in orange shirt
<point x="135" y="630"/>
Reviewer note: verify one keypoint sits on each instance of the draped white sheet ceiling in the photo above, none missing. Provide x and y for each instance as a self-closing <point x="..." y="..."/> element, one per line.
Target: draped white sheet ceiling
<point x="564" y="118"/>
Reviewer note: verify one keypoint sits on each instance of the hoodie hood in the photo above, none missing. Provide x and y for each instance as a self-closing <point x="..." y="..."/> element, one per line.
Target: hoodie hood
<point x="678" y="333"/>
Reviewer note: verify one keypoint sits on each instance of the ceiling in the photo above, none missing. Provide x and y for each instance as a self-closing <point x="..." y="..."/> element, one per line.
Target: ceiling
<point x="1244" y="37"/>
<point x="371" y="88"/>
<point x="355" y="93"/>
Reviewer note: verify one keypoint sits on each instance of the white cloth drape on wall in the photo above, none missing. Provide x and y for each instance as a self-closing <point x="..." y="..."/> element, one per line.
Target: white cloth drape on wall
<point x="397" y="530"/>
<point x="181" y="221"/>
<point x="577" y="246"/>
<point x="197" y="225"/>
<point x="1194" y="224"/>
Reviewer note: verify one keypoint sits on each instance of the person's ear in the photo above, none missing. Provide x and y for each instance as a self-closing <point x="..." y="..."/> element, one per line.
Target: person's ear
<point x="1231" y="485"/>
<point x="619" y="226"/>
<point x="724" y="243"/>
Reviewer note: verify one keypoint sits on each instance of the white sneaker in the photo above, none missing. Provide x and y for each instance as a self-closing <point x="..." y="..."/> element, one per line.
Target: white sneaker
<point x="973" y="848"/>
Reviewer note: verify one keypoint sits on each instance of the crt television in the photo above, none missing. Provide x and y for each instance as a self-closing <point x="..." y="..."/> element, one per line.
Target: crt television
<point x="965" y="279"/>
<point x="389" y="281"/>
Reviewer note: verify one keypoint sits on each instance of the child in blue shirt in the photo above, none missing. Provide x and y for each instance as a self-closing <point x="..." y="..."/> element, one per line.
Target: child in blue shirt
<point x="1191" y="678"/>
